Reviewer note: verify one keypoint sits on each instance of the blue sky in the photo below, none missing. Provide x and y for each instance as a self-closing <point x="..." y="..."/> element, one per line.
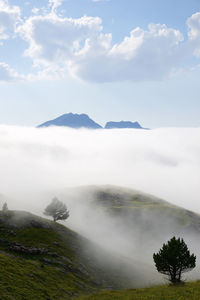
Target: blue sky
<point x="102" y="58"/>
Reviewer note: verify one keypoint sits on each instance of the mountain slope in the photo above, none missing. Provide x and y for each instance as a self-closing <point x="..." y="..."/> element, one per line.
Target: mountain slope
<point x="73" y="121"/>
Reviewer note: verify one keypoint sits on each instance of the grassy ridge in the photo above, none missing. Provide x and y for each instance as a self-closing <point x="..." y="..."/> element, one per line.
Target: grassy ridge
<point x="189" y="291"/>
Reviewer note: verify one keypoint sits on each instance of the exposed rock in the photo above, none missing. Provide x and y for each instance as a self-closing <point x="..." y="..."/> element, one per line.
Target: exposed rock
<point x="27" y="250"/>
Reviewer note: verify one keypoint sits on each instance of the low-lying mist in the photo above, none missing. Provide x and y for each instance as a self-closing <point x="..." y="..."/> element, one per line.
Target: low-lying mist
<point x="37" y="164"/>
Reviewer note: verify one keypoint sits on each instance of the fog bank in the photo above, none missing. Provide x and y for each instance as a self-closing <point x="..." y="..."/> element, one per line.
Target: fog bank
<point x="37" y="164"/>
<point x="164" y="162"/>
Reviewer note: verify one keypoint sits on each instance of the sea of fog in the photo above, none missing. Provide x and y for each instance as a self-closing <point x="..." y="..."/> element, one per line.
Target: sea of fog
<point x="38" y="164"/>
<point x="164" y="162"/>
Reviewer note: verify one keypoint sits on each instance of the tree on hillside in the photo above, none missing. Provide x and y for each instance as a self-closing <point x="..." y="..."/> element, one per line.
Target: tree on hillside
<point x="174" y="259"/>
<point x="57" y="210"/>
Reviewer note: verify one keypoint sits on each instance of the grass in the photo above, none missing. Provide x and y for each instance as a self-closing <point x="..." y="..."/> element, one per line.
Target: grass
<point x="189" y="291"/>
<point x="42" y="276"/>
<point x="29" y="279"/>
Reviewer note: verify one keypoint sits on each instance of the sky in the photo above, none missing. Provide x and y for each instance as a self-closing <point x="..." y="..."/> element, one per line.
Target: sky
<point x="112" y="59"/>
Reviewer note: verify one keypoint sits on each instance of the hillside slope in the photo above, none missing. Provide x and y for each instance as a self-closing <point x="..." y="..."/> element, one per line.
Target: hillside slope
<point x="132" y="224"/>
<point x="40" y="259"/>
<point x="189" y="291"/>
<point x="135" y="208"/>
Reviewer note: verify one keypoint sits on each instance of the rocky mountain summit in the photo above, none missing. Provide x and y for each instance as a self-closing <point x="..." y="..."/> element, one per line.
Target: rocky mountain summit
<point x="84" y="121"/>
<point x="123" y="124"/>
<point x="73" y="121"/>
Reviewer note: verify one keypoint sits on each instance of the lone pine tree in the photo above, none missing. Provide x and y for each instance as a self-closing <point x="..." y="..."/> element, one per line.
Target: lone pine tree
<point x="173" y="259"/>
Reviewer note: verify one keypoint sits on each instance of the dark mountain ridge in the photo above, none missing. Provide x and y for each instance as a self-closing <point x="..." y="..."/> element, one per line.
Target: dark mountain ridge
<point x="84" y="121"/>
<point x="73" y="121"/>
<point x="123" y="124"/>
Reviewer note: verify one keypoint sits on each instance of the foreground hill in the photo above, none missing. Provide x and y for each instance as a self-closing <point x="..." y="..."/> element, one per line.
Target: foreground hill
<point x="189" y="291"/>
<point x="40" y="259"/>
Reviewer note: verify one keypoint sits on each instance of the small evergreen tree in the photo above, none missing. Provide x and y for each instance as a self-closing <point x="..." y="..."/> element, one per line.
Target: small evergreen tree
<point x="57" y="210"/>
<point x="174" y="259"/>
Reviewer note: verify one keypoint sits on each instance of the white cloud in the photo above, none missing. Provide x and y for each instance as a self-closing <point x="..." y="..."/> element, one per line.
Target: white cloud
<point x="144" y="55"/>
<point x="7" y="74"/>
<point x="194" y="33"/>
<point x="54" y="4"/>
<point x="54" y="40"/>
<point x="35" y="10"/>
<point x="80" y="46"/>
<point x="9" y="16"/>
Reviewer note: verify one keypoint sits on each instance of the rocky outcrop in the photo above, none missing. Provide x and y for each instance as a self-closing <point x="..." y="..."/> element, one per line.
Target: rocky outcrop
<point x="16" y="247"/>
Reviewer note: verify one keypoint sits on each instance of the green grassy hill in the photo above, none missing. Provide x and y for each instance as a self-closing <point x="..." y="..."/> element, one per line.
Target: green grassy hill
<point x="189" y="291"/>
<point x="40" y="259"/>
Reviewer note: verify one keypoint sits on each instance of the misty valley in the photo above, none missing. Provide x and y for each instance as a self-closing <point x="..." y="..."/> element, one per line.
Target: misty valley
<point x="73" y="226"/>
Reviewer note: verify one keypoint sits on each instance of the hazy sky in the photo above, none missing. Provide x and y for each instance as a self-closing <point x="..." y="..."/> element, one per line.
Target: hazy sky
<point x="114" y="60"/>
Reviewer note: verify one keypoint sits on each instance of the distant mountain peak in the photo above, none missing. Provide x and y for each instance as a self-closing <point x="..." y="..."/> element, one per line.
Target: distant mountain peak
<point x="73" y="121"/>
<point x="123" y="124"/>
<point x="84" y="121"/>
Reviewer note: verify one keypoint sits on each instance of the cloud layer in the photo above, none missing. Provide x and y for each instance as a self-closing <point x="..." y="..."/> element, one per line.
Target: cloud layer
<point x="163" y="162"/>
